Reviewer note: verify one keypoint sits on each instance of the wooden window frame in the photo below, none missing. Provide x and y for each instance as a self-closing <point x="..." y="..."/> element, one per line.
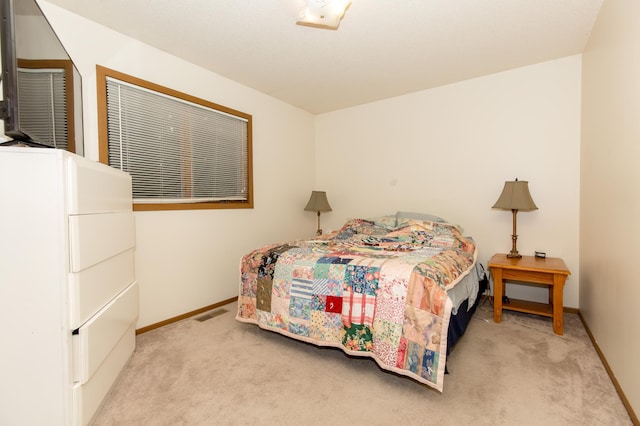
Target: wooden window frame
<point x="103" y="139"/>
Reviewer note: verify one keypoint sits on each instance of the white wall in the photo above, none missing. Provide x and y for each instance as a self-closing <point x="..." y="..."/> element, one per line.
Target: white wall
<point x="186" y="260"/>
<point x="449" y="150"/>
<point x="610" y="200"/>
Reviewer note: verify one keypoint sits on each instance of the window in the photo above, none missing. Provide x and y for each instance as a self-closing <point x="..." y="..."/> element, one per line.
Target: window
<point x="182" y="152"/>
<point x="46" y="101"/>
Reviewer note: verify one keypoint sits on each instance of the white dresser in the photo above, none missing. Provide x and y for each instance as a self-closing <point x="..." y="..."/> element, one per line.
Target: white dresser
<point x="68" y="295"/>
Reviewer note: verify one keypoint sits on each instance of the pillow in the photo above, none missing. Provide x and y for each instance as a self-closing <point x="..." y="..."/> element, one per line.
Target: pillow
<point x="418" y="216"/>
<point x="403" y="217"/>
<point x="387" y="221"/>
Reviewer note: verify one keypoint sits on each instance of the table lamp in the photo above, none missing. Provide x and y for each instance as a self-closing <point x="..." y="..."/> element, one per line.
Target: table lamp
<point x="318" y="203"/>
<point x="515" y="196"/>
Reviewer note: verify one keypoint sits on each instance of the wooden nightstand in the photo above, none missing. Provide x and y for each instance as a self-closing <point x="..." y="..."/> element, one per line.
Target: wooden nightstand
<point x="548" y="271"/>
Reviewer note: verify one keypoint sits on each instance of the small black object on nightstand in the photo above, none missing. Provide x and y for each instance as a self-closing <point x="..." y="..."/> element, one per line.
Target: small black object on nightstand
<point x="540" y="254"/>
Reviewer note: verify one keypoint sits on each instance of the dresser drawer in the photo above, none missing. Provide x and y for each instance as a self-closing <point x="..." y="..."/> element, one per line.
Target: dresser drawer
<point x="97" y="188"/>
<point x="96" y="237"/>
<point x="88" y="396"/>
<point x="97" y="337"/>
<point x="93" y="287"/>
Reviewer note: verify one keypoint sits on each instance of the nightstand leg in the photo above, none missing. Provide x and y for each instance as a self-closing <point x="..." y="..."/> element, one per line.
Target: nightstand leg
<point x="498" y="286"/>
<point x="558" y="311"/>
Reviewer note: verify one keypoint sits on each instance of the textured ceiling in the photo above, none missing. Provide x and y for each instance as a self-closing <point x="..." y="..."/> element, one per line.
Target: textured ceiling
<point x="383" y="48"/>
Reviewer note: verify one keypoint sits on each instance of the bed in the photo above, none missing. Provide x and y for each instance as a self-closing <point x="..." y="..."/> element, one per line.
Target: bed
<point x="400" y="289"/>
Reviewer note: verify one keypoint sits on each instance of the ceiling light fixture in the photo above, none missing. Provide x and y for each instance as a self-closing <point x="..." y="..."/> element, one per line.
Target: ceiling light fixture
<point x="323" y="13"/>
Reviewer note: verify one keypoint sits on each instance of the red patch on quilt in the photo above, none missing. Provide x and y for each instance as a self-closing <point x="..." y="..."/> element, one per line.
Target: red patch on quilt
<point x="334" y="304"/>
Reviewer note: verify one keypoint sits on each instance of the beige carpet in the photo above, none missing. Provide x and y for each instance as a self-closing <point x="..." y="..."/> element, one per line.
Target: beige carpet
<point x="223" y="372"/>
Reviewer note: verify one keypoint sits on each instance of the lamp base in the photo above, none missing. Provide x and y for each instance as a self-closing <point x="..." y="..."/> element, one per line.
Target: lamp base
<point x="513" y="254"/>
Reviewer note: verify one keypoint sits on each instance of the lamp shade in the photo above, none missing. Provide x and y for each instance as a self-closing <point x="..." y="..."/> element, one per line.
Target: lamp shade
<point x="318" y="202"/>
<point x="515" y="196"/>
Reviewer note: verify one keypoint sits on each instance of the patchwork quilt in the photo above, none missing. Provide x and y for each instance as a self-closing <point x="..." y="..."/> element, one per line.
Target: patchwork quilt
<point x="369" y="289"/>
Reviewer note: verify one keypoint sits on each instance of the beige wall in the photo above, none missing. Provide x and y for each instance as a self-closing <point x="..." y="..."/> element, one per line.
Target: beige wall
<point x="449" y="150"/>
<point x="610" y="190"/>
<point x="190" y="259"/>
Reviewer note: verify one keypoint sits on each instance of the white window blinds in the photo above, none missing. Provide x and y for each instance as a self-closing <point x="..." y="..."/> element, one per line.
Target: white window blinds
<point x="176" y="151"/>
<point x="42" y="105"/>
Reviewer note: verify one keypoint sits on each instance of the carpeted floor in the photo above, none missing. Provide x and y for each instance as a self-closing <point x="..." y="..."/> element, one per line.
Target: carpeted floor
<point x="223" y="372"/>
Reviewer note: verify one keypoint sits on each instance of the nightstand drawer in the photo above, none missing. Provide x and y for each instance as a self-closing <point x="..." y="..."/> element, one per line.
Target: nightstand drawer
<point x="527" y="276"/>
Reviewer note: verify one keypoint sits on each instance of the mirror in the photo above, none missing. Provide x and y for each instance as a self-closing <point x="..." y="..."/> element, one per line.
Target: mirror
<point x="49" y="98"/>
